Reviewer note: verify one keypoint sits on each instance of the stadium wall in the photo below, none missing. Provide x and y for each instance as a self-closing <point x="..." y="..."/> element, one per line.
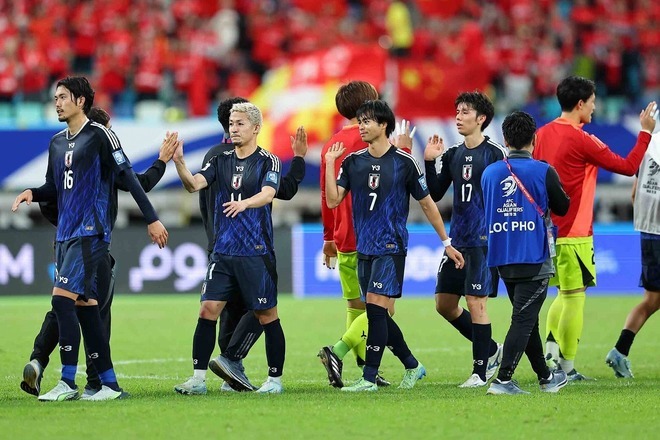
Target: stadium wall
<point x="26" y="261"/>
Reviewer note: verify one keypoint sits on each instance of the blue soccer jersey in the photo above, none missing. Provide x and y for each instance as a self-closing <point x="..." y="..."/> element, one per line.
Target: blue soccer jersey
<point x="81" y="172"/>
<point x="380" y="190"/>
<point x="250" y="233"/>
<point x="463" y="167"/>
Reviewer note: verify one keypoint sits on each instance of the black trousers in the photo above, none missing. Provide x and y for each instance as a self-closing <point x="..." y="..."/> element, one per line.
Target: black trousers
<point x="239" y="329"/>
<point x="48" y="337"/>
<point x="523" y="337"/>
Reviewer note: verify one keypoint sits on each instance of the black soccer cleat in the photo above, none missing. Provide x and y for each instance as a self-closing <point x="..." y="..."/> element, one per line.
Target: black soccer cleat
<point x="381" y="382"/>
<point x="333" y="365"/>
<point x="32" y="374"/>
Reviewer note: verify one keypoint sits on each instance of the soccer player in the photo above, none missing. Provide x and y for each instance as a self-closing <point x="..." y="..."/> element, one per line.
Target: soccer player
<point x="46" y="340"/>
<point x="243" y="258"/>
<point x="518" y="194"/>
<point x="381" y="179"/>
<point x="339" y="236"/>
<point x="83" y="162"/>
<point x="577" y="155"/>
<point x="646" y="209"/>
<point x="239" y="327"/>
<point x="463" y="164"/>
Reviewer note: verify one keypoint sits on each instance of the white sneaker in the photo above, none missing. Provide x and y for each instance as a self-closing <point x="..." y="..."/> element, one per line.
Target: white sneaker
<point x="191" y="386"/>
<point x="60" y="393"/>
<point x="271" y="386"/>
<point x="227" y="388"/>
<point x="106" y="393"/>
<point x="473" y="381"/>
<point x="494" y="362"/>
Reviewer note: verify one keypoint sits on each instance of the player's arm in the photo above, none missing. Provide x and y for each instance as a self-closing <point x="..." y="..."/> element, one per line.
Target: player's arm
<point x="190" y="183"/>
<point x="269" y="186"/>
<point x="289" y="185"/>
<point x="434" y="217"/>
<point x="558" y="200"/>
<point x="112" y="155"/>
<point x="328" y="220"/>
<point x="334" y="191"/>
<point x="599" y="154"/>
<point x="45" y="193"/>
<point x="438" y="182"/>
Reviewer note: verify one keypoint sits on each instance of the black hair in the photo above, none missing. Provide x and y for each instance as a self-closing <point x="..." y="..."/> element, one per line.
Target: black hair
<point x="99" y="115"/>
<point x="79" y="88"/>
<point x="378" y="111"/>
<point x="573" y="89"/>
<point x="518" y="129"/>
<point x="224" y="110"/>
<point x="351" y="96"/>
<point x="480" y="103"/>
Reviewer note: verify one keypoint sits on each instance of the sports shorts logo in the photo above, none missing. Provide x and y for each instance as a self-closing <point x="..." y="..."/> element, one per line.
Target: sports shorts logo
<point x="68" y="159"/>
<point x="509" y="186"/>
<point x="467" y="171"/>
<point x="374" y="181"/>
<point x="236" y="181"/>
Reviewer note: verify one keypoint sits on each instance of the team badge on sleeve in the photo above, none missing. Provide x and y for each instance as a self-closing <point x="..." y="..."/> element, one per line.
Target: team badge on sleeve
<point x="271" y="176"/>
<point x="119" y="157"/>
<point x="422" y="183"/>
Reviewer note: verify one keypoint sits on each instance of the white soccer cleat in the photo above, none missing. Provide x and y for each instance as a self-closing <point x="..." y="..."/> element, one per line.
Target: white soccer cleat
<point x="106" y="393"/>
<point x="494" y="362"/>
<point x="473" y="381"/>
<point x="191" y="387"/>
<point x="271" y="386"/>
<point x="60" y="393"/>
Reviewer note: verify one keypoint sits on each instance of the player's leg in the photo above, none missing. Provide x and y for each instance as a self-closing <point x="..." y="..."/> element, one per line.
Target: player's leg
<point x="617" y="358"/>
<point x="350" y="287"/>
<point x="104" y="292"/>
<point x="258" y="285"/>
<point x="229" y="318"/>
<point x="577" y="271"/>
<point x="219" y="283"/>
<point x="44" y="344"/>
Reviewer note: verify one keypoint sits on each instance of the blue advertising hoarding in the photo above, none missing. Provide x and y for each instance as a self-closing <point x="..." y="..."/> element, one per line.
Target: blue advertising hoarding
<point x="616" y="246"/>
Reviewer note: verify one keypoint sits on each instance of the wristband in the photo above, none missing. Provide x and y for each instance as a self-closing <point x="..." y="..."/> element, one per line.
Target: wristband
<point x="447" y="242"/>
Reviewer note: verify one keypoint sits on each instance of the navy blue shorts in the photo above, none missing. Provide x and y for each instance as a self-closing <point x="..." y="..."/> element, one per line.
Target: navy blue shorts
<point x="475" y="279"/>
<point x="650" y="278"/>
<point x="76" y="264"/>
<point x="253" y="278"/>
<point x="381" y="274"/>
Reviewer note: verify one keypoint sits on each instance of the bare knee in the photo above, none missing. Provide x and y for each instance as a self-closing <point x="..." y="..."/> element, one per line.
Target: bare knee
<point x="447" y="306"/>
<point x="652" y="301"/>
<point x="266" y="316"/>
<point x="477" y="307"/>
<point x="210" y="310"/>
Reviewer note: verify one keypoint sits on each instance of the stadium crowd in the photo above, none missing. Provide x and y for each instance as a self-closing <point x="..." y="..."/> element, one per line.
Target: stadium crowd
<point x="192" y="53"/>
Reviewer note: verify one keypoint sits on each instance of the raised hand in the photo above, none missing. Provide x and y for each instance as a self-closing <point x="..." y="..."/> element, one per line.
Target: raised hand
<point x="648" y="116"/>
<point x="434" y="148"/>
<point x="299" y="142"/>
<point x="334" y="152"/>
<point x="403" y="136"/>
<point x="168" y="147"/>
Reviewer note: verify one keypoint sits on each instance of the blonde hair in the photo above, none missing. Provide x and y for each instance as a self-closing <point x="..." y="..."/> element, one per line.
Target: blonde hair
<point x="252" y="111"/>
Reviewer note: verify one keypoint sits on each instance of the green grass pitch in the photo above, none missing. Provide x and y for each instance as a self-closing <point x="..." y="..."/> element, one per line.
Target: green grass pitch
<point x="151" y="346"/>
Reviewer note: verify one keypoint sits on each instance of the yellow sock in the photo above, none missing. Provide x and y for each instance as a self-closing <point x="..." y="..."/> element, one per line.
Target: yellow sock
<point x="571" y="323"/>
<point x="351" y="314"/>
<point x="357" y="334"/>
<point x="552" y="321"/>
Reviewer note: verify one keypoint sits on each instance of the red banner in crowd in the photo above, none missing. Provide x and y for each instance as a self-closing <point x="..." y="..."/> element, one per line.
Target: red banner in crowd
<point x="302" y="92"/>
<point x="426" y="89"/>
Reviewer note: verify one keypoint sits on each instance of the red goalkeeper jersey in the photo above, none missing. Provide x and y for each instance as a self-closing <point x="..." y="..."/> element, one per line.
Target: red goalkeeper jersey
<point x="576" y="155"/>
<point x="338" y="222"/>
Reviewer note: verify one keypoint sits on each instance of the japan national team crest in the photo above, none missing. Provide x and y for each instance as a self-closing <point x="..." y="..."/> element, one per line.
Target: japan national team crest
<point x="467" y="171"/>
<point x="68" y="159"/>
<point x="236" y="181"/>
<point x="374" y="181"/>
